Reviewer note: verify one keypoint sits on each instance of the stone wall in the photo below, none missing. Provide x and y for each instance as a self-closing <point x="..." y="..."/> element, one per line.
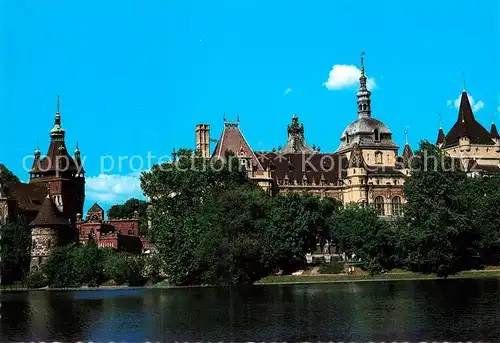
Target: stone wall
<point x="44" y="240"/>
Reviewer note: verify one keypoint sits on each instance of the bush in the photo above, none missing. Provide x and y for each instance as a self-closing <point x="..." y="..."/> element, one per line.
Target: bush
<point x="331" y="268"/>
<point x="124" y="268"/>
<point x="36" y="279"/>
<point x="61" y="269"/>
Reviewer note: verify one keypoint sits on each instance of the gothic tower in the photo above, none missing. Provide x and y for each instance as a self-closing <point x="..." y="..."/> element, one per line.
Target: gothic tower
<point x="63" y="175"/>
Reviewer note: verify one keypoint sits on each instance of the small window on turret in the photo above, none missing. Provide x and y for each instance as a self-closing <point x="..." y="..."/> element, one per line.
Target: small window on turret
<point x="376" y="135"/>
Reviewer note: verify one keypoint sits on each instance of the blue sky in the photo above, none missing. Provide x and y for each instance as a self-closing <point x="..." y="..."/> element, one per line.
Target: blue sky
<point x="136" y="77"/>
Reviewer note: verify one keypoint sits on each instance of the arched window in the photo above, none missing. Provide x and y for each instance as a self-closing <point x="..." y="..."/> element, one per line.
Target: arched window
<point x="378" y="157"/>
<point x="376" y="135"/>
<point x="396" y="206"/>
<point x="379" y="205"/>
<point x="347" y="138"/>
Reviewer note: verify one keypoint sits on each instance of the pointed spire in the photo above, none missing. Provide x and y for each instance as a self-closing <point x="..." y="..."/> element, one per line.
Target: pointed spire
<point x="465" y="110"/>
<point x="364" y="102"/>
<point x="37" y="151"/>
<point x="77" y="150"/>
<point x="494" y="131"/>
<point x="440" y="138"/>
<point x="57" y="132"/>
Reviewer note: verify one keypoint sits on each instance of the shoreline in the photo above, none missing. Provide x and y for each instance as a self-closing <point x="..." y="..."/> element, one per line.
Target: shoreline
<point x="290" y="280"/>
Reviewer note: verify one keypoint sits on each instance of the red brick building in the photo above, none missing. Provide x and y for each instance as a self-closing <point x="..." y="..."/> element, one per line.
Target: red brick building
<point x="119" y="234"/>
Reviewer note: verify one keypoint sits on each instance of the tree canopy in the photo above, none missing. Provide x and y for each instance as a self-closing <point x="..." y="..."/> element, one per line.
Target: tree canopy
<point x="6" y="176"/>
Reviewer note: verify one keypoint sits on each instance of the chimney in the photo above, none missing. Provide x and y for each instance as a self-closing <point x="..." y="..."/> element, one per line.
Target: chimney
<point x="203" y="140"/>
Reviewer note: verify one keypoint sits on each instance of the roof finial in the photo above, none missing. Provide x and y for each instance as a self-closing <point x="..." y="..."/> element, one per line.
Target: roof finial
<point x="57" y="112"/>
<point x="406" y="135"/>
<point x="463" y="77"/>
<point x="224" y="116"/>
<point x="440" y="120"/>
<point x="238" y="118"/>
<point x="362" y="61"/>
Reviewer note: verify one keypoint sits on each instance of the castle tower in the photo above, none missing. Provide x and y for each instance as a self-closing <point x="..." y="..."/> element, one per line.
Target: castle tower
<point x="372" y="135"/>
<point x="203" y="140"/>
<point x="48" y="230"/>
<point x="64" y="175"/>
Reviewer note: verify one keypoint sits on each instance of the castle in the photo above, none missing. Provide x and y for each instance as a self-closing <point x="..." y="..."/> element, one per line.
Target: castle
<point x="366" y="167"/>
<point x="53" y="201"/>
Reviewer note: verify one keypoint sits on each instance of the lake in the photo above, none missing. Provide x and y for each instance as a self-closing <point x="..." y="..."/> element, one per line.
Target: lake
<point x="424" y="310"/>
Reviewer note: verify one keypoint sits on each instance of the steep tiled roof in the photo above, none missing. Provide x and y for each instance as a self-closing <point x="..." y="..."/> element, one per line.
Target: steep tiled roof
<point x="232" y="140"/>
<point x="316" y="167"/>
<point x="467" y="126"/>
<point x="96" y="208"/>
<point x="57" y="159"/>
<point x="28" y="196"/>
<point x="49" y="216"/>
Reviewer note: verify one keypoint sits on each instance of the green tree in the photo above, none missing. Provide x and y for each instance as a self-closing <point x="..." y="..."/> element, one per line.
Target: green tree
<point x="293" y="225"/>
<point x="441" y="236"/>
<point x="124" y="268"/>
<point x="205" y="219"/>
<point x="89" y="264"/>
<point x="60" y="268"/>
<point x="360" y="231"/>
<point x="15" y="249"/>
<point x="6" y="176"/>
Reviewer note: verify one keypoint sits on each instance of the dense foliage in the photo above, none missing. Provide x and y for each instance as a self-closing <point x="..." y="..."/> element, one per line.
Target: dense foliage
<point x="214" y="226"/>
<point x="452" y="221"/>
<point x="15" y="244"/>
<point x="211" y="225"/>
<point x="6" y="176"/>
<point x="87" y="265"/>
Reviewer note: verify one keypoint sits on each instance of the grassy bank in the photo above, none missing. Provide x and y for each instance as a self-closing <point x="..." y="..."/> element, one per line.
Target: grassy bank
<point x="325" y="278"/>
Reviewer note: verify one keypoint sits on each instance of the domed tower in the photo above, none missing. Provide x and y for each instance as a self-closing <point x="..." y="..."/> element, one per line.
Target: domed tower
<point x="370" y="134"/>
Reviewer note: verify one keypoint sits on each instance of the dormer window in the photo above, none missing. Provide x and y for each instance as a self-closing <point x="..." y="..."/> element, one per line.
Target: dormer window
<point x="376" y="135"/>
<point x="347" y="138"/>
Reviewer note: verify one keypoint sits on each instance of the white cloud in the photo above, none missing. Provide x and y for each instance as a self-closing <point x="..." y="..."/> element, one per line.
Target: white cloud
<point x="344" y="76"/>
<point x="476" y="106"/>
<point x="288" y="91"/>
<point x="113" y="188"/>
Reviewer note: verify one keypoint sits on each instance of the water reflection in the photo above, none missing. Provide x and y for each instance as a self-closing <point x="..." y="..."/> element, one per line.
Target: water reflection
<point x="368" y="311"/>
